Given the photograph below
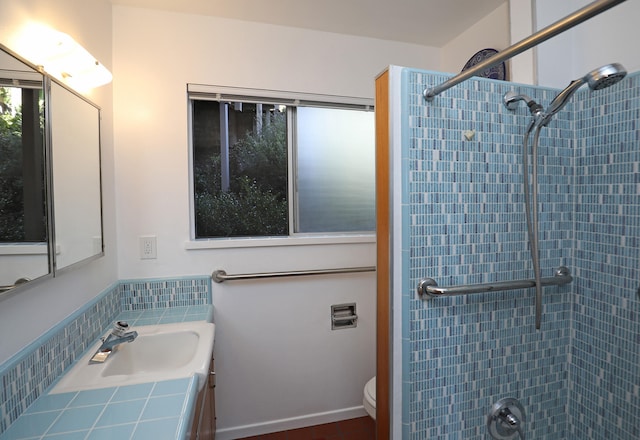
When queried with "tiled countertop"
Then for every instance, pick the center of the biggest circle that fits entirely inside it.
(148, 411)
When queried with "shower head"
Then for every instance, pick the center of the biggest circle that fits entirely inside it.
(605, 76)
(511, 99)
(600, 78)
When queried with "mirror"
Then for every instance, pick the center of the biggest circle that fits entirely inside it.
(24, 225)
(50, 184)
(75, 160)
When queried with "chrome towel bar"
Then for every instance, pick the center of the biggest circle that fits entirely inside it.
(220, 276)
(428, 288)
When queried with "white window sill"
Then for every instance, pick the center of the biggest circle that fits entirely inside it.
(223, 243)
(24, 249)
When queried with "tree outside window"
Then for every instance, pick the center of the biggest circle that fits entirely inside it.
(22, 206)
(244, 152)
(252, 199)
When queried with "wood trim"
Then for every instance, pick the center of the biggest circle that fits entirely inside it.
(383, 237)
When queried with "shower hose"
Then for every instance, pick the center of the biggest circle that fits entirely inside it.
(531, 210)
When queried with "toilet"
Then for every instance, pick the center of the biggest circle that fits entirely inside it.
(369, 399)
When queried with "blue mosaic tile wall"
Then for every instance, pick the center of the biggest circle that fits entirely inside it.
(578, 378)
(29, 373)
(153, 294)
(604, 367)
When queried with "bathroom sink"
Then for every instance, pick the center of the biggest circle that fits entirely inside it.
(160, 352)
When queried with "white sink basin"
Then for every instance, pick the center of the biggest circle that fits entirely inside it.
(160, 352)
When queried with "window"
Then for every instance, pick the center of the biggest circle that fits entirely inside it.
(273, 166)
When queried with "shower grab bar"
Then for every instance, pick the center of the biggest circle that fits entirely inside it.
(220, 276)
(581, 15)
(428, 288)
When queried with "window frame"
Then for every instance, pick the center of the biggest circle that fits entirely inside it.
(292, 100)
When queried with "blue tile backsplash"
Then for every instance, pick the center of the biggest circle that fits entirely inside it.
(577, 377)
(153, 294)
(27, 375)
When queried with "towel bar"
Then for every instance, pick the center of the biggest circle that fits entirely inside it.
(220, 276)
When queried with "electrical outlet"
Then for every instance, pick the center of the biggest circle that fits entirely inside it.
(148, 246)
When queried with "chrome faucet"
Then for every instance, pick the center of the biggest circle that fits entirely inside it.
(119, 335)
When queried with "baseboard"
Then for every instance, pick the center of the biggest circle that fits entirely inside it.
(290, 423)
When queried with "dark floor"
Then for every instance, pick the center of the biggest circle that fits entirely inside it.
(362, 428)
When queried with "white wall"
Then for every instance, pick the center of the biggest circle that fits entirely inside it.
(151, 69)
(27, 314)
(610, 37)
(278, 363)
(521, 26)
(492, 32)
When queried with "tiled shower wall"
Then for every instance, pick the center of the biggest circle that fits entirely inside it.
(466, 225)
(604, 368)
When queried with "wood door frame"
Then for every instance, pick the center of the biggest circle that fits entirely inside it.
(383, 262)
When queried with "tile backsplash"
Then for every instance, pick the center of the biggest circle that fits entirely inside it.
(153, 294)
(29, 373)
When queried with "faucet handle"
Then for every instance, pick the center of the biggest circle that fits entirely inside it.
(506, 419)
(506, 415)
(120, 328)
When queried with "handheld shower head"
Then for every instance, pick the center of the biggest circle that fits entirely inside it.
(605, 76)
(597, 79)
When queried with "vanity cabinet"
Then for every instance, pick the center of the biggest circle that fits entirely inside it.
(204, 420)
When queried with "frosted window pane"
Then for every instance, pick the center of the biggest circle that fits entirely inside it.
(335, 170)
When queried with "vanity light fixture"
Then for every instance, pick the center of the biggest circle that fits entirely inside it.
(63, 58)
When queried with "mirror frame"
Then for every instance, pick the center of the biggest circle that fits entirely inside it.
(51, 146)
(53, 269)
(22, 278)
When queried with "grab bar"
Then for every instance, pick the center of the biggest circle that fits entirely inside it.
(428, 288)
(220, 276)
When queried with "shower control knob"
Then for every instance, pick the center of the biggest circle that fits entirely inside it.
(506, 419)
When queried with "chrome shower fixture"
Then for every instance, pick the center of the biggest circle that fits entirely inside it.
(511, 100)
(505, 420)
(600, 78)
(597, 79)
